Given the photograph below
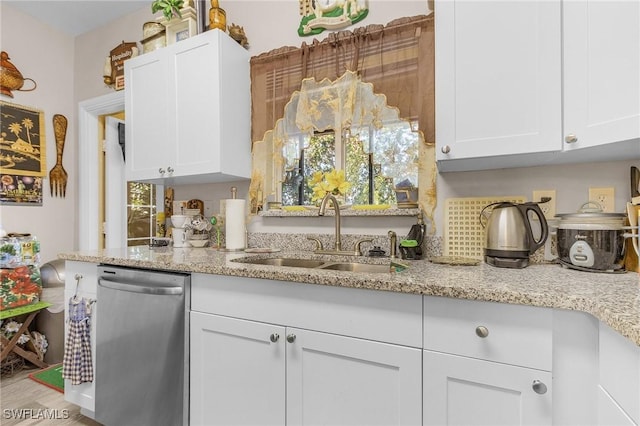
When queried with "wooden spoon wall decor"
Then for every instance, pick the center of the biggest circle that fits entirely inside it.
(58, 175)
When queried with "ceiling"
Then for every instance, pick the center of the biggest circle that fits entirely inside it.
(76, 17)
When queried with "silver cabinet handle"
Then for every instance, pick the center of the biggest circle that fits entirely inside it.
(571, 138)
(170, 169)
(274, 337)
(482, 331)
(161, 171)
(291, 338)
(446, 149)
(539, 387)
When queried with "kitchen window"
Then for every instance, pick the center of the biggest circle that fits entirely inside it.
(141, 213)
(369, 158)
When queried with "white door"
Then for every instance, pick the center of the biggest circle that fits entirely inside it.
(498, 78)
(336, 380)
(115, 188)
(237, 372)
(601, 71)
(467, 391)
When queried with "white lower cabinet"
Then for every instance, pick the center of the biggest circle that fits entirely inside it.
(297, 354)
(267, 352)
(337, 380)
(467, 391)
(237, 372)
(609, 412)
(619, 381)
(486, 363)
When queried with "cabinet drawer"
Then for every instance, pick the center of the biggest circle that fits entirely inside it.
(513, 334)
(382, 316)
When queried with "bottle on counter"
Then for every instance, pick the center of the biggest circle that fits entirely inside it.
(217, 17)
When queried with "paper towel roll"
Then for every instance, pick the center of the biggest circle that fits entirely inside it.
(234, 223)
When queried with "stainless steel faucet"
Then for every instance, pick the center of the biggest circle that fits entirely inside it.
(392, 245)
(323, 207)
(337, 248)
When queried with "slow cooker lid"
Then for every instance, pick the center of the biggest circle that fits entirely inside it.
(590, 215)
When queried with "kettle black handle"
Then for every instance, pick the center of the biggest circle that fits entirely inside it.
(534, 207)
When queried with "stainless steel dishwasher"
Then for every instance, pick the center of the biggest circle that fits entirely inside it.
(142, 347)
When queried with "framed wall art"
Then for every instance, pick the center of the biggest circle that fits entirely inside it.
(20, 189)
(22, 141)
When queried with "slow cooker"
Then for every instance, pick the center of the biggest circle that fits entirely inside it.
(591, 240)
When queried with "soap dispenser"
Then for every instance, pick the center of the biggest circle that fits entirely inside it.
(411, 246)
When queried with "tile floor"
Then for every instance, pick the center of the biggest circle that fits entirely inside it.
(23, 397)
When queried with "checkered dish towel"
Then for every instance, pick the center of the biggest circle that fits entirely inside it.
(77, 365)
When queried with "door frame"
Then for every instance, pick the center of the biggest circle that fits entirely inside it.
(89, 112)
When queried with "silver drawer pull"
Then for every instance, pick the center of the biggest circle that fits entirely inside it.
(274, 337)
(291, 338)
(482, 331)
(539, 387)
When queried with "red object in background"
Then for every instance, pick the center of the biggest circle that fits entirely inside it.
(20, 286)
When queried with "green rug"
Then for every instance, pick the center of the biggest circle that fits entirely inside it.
(51, 377)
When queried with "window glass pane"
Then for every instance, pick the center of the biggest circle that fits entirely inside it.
(319, 156)
(141, 213)
(309, 155)
(375, 162)
(357, 169)
(396, 153)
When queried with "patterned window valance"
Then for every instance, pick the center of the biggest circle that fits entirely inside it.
(397, 58)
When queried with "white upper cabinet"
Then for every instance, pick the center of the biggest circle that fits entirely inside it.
(188, 112)
(497, 78)
(601, 72)
(515, 79)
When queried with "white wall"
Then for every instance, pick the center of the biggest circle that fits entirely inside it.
(45, 55)
(93, 47)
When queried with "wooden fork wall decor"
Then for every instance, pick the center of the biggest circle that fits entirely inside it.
(58, 175)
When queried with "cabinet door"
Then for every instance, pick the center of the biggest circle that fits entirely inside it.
(237, 372)
(83, 394)
(498, 79)
(336, 380)
(212, 106)
(149, 119)
(601, 71)
(197, 112)
(468, 391)
(609, 412)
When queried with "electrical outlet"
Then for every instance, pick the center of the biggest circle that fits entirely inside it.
(605, 197)
(548, 208)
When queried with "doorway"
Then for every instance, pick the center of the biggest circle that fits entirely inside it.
(108, 207)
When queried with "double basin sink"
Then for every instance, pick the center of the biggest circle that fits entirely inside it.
(317, 264)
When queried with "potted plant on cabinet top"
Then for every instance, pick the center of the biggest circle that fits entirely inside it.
(169, 8)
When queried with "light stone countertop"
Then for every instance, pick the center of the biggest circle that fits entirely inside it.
(612, 298)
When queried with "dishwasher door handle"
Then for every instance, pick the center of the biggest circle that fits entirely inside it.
(137, 288)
